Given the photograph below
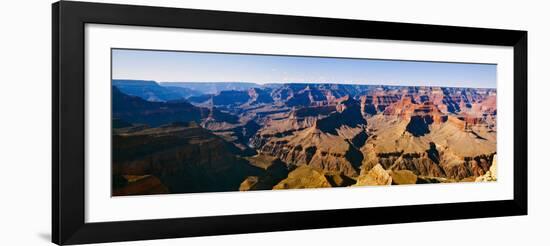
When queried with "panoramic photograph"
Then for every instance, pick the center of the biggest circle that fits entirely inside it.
(190, 122)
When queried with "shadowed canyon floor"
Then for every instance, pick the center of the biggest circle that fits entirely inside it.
(212, 137)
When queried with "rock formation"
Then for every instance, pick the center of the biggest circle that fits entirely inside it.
(490, 175)
(402, 177)
(304, 177)
(376, 176)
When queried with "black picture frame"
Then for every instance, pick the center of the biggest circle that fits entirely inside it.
(68, 122)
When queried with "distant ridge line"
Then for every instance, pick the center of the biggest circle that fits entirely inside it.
(167, 83)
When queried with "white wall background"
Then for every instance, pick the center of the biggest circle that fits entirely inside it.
(25, 98)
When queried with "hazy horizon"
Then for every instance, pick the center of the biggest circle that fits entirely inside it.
(201, 67)
(313, 83)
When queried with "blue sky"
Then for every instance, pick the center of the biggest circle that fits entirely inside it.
(176, 66)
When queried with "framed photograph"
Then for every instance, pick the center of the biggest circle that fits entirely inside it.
(175, 122)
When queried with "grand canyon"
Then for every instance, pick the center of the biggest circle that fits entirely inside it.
(188, 137)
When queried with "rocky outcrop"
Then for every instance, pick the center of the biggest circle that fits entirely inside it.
(491, 174)
(304, 177)
(402, 177)
(376, 176)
